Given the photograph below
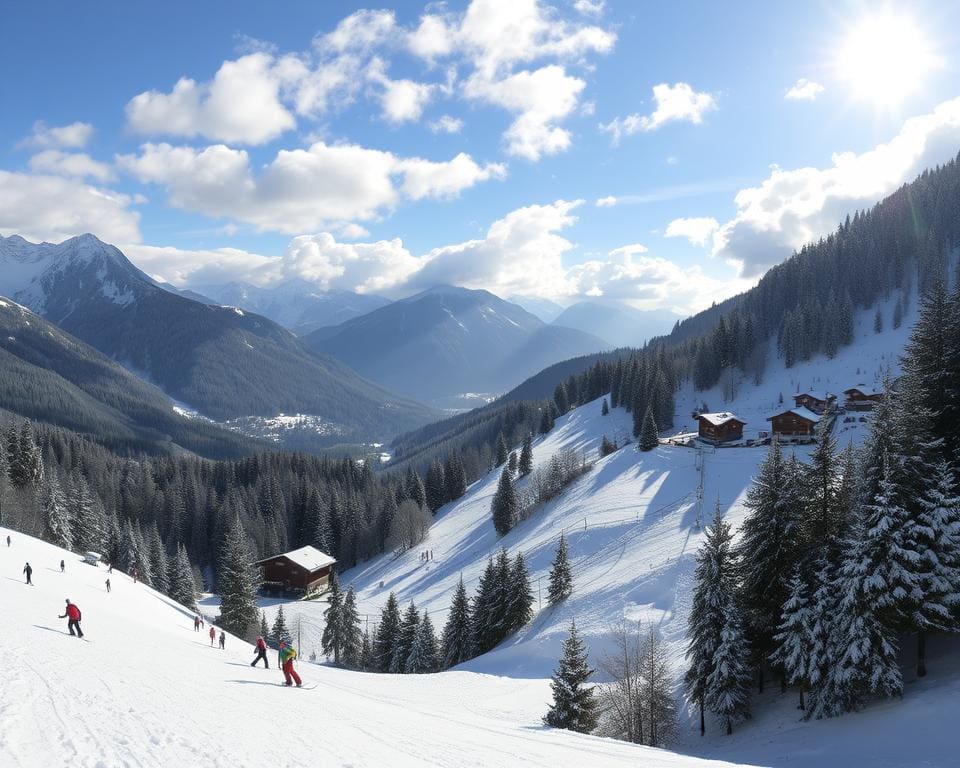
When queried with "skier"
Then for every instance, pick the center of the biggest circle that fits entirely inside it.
(285, 657)
(136, 575)
(196, 622)
(29, 571)
(73, 615)
(107, 582)
(213, 635)
(63, 566)
(8, 541)
(261, 653)
(223, 639)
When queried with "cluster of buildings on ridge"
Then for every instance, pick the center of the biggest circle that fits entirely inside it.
(798, 422)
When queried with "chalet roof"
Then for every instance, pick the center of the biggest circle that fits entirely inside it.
(865, 391)
(821, 395)
(719, 419)
(803, 413)
(309, 558)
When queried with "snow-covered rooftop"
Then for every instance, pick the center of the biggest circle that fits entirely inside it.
(817, 395)
(865, 391)
(719, 419)
(310, 558)
(803, 413)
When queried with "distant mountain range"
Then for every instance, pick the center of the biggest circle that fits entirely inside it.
(222, 361)
(295, 304)
(446, 342)
(618, 323)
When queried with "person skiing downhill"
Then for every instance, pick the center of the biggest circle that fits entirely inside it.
(261, 653)
(29, 571)
(223, 639)
(285, 658)
(63, 566)
(72, 613)
(8, 541)
(213, 635)
(196, 623)
(107, 582)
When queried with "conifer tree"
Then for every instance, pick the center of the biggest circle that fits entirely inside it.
(604, 409)
(279, 631)
(159, 562)
(86, 515)
(574, 700)
(483, 616)
(826, 508)
(405, 637)
(366, 654)
(435, 487)
(794, 639)
(457, 643)
(561, 399)
(238, 580)
(388, 632)
(415, 488)
(520, 595)
(331, 642)
(182, 587)
(264, 630)
(423, 651)
(455, 477)
(728, 686)
(512, 461)
(649, 437)
(352, 651)
(502, 451)
(56, 516)
(504, 507)
(526, 456)
(561, 577)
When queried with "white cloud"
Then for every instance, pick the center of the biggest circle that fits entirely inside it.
(400, 100)
(606, 202)
(793, 207)
(628, 250)
(73, 136)
(241, 104)
(52, 208)
(697, 229)
(210, 266)
(360, 31)
(363, 267)
(433, 37)
(77, 164)
(674, 103)
(447, 124)
(804, 90)
(589, 7)
(301, 189)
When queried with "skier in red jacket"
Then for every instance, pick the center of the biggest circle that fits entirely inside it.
(73, 615)
(261, 653)
(213, 635)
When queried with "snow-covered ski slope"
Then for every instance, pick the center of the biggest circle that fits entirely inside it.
(145, 690)
(631, 528)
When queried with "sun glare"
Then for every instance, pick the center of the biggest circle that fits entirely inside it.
(884, 58)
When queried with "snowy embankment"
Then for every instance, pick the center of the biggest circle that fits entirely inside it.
(144, 689)
(631, 525)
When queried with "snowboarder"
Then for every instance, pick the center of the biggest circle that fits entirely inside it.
(29, 571)
(285, 658)
(223, 639)
(63, 566)
(213, 635)
(107, 582)
(261, 653)
(196, 622)
(72, 613)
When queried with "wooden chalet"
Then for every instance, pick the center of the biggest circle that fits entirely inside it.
(721, 427)
(861, 398)
(303, 570)
(818, 402)
(795, 422)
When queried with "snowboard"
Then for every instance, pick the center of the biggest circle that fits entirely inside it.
(304, 687)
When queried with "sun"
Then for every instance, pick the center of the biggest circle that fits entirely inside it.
(884, 58)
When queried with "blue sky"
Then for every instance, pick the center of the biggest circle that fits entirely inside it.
(642, 151)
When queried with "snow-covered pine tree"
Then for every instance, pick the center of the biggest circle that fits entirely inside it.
(825, 516)
(649, 437)
(56, 515)
(657, 697)
(504, 507)
(279, 630)
(604, 409)
(512, 461)
(561, 399)
(526, 456)
(769, 548)
(352, 651)
(561, 576)
(423, 652)
(408, 633)
(499, 607)
(435, 486)
(457, 642)
(728, 686)
(331, 642)
(794, 639)
(386, 637)
(159, 562)
(546, 419)
(936, 534)
(238, 581)
(87, 518)
(520, 605)
(366, 653)
(182, 587)
(713, 592)
(502, 451)
(823, 693)
(483, 620)
(415, 488)
(264, 630)
(455, 477)
(574, 700)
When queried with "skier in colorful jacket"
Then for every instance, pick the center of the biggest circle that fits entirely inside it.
(286, 656)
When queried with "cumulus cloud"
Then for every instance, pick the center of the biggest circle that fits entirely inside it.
(793, 207)
(401, 100)
(43, 207)
(804, 90)
(73, 136)
(210, 266)
(589, 7)
(447, 124)
(697, 229)
(606, 202)
(240, 105)
(301, 189)
(674, 103)
(77, 164)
